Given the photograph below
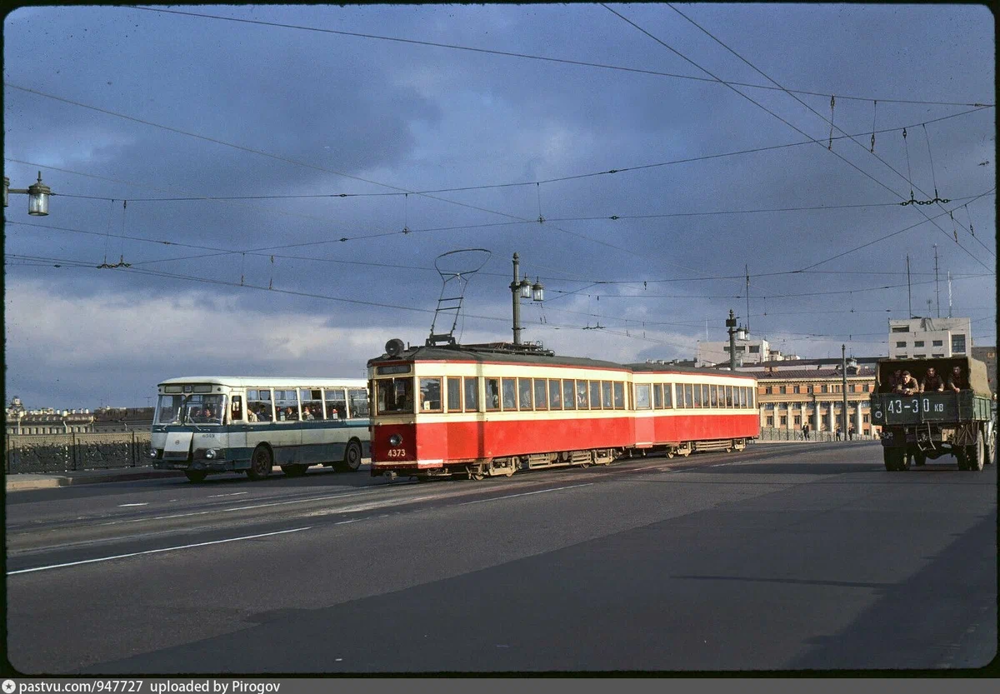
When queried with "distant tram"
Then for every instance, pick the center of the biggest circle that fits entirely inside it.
(207, 424)
(483, 411)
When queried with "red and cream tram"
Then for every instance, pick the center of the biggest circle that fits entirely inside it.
(485, 410)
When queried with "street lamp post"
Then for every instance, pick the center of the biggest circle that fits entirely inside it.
(522, 289)
(38, 196)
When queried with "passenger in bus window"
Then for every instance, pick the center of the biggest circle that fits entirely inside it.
(307, 414)
(251, 415)
(208, 415)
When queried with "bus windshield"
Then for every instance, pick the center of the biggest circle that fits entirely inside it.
(190, 409)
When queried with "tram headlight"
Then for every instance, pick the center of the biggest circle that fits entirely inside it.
(395, 440)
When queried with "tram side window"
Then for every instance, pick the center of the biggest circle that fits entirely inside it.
(509, 393)
(492, 393)
(582, 401)
(704, 395)
(606, 395)
(359, 403)
(729, 396)
(642, 395)
(454, 394)
(524, 393)
(668, 395)
(619, 394)
(697, 395)
(595, 395)
(471, 393)
(430, 394)
(394, 396)
(287, 404)
(259, 406)
(569, 396)
(555, 394)
(743, 397)
(713, 396)
(657, 396)
(336, 402)
(541, 396)
(312, 403)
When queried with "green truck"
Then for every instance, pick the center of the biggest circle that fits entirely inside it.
(932, 424)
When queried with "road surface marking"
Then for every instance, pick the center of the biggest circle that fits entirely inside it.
(153, 551)
(142, 504)
(511, 496)
(216, 496)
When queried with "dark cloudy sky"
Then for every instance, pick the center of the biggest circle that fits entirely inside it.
(124, 104)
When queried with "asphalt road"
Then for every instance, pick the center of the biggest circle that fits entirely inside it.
(792, 556)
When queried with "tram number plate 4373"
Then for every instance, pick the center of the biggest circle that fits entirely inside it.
(397, 453)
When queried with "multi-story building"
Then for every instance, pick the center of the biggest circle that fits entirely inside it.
(922, 338)
(788, 398)
(747, 352)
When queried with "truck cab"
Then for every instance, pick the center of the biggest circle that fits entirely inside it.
(930, 423)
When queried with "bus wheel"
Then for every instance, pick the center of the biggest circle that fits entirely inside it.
(294, 470)
(975, 455)
(352, 458)
(260, 463)
(196, 475)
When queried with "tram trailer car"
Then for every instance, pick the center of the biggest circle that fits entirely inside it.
(480, 411)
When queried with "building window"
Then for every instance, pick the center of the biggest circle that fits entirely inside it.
(754, 349)
(938, 343)
(958, 343)
(784, 421)
(918, 343)
(795, 389)
(781, 390)
(770, 421)
(768, 390)
(797, 420)
(901, 344)
(900, 330)
(864, 418)
(823, 388)
(919, 356)
(938, 356)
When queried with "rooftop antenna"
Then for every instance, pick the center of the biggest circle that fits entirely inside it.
(909, 295)
(747, 269)
(937, 287)
(456, 269)
(949, 293)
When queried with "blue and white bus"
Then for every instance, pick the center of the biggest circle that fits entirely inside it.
(207, 424)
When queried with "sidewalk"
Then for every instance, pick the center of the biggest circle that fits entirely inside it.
(27, 481)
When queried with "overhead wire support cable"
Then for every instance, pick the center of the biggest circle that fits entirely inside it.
(527, 56)
(764, 108)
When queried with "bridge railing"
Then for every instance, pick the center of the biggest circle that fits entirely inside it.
(782, 434)
(66, 452)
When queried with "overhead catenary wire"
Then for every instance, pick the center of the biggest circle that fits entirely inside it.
(909, 178)
(537, 57)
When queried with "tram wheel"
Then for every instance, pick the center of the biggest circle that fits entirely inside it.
(261, 463)
(196, 475)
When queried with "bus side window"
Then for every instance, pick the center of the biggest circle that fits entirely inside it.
(237, 410)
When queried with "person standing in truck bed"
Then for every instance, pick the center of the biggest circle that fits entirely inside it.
(907, 385)
(957, 380)
(931, 381)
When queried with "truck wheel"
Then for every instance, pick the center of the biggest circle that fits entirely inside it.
(960, 459)
(895, 459)
(196, 475)
(975, 454)
(919, 458)
(991, 447)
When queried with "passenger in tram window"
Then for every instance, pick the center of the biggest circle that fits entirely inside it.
(582, 402)
(492, 394)
(509, 394)
(569, 398)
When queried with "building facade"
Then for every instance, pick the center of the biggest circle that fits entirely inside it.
(789, 398)
(923, 338)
